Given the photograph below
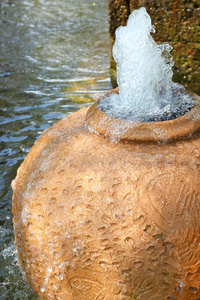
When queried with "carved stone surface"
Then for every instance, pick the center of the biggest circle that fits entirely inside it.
(101, 220)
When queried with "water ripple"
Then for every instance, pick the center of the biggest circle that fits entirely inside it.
(14, 119)
(51, 62)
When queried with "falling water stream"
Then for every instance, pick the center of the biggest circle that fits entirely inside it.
(54, 55)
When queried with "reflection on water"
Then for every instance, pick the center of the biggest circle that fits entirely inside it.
(54, 55)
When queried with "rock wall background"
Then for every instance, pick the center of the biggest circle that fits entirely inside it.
(176, 22)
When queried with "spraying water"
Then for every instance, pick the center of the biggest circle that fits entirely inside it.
(144, 75)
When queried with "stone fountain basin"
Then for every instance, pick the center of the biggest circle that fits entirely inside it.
(97, 219)
(148, 131)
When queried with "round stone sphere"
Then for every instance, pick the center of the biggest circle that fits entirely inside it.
(107, 210)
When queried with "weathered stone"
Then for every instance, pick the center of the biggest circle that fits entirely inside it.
(95, 219)
(119, 11)
(176, 22)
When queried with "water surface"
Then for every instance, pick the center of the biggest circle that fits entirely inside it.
(53, 56)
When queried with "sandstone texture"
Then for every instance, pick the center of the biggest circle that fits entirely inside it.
(176, 22)
(110, 220)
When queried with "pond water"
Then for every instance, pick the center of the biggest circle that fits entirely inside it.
(54, 55)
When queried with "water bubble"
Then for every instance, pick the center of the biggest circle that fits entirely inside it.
(144, 76)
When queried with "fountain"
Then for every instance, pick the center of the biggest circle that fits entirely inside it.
(106, 204)
(144, 75)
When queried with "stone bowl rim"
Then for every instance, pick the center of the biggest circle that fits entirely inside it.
(164, 131)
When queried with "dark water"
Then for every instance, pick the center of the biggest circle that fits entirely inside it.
(53, 56)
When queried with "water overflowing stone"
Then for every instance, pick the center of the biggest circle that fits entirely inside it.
(144, 76)
(183, 102)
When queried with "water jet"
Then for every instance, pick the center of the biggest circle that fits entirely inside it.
(106, 205)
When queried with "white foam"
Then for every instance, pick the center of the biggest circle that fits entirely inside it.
(144, 73)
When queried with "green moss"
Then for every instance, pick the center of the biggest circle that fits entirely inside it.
(197, 46)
